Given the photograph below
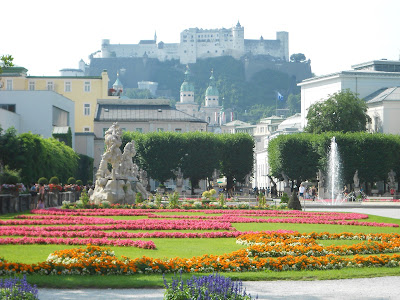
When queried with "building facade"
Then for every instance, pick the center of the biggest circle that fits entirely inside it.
(365, 79)
(82, 90)
(198, 43)
(38, 112)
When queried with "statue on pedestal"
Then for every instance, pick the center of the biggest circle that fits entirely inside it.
(116, 186)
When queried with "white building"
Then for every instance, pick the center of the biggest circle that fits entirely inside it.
(198, 43)
(39, 112)
(365, 79)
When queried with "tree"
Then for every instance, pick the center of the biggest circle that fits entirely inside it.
(200, 156)
(7, 62)
(138, 94)
(341, 112)
(297, 57)
(294, 103)
(236, 154)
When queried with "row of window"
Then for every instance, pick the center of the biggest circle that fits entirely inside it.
(137, 130)
(50, 86)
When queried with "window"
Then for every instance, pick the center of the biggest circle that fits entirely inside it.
(67, 86)
(139, 130)
(87, 86)
(86, 109)
(9, 85)
(86, 129)
(31, 85)
(60, 117)
(50, 85)
(9, 107)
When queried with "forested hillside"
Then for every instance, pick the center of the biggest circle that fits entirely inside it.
(250, 97)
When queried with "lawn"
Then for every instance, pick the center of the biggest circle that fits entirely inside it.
(189, 247)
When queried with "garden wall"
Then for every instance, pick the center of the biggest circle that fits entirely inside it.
(10, 203)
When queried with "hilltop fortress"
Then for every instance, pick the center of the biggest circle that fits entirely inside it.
(202, 43)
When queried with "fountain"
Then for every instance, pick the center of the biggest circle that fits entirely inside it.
(334, 194)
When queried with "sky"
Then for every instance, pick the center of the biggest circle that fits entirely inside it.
(47, 36)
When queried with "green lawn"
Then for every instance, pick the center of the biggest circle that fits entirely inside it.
(195, 247)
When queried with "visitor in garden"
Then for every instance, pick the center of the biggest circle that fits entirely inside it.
(40, 204)
(301, 191)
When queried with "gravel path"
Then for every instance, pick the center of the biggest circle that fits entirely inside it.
(380, 288)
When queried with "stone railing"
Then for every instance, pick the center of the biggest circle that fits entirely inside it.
(12, 203)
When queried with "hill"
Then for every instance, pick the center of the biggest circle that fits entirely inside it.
(248, 86)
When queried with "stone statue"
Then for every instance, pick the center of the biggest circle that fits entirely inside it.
(116, 186)
(321, 178)
(391, 179)
(112, 139)
(179, 177)
(127, 169)
(285, 179)
(356, 180)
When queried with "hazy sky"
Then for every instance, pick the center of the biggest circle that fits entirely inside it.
(46, 36)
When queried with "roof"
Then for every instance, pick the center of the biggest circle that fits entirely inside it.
(237, 123)
(384, 94)
(125, 111)
(187, 87)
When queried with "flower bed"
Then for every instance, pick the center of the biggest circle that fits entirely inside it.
(266, 251)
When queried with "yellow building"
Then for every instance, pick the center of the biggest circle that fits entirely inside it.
(83, 90)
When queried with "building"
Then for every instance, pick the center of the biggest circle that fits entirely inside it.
(384, 110)
(365, 79)
(82, 90)
(142, 115)
(38, 112)
(210, 111)
(198, 43)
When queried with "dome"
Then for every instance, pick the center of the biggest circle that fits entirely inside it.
(212, 91)
(187, 87)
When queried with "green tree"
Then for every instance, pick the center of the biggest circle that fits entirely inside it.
(342, 112)
(159, 153)
(138, 94)
(294, 103)
(7, 61)
(236, 154)
(200, 156)
(297, 57)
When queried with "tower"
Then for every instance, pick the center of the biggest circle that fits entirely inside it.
(118, 87)
(186, 103)
(212, 110)
(238, 41)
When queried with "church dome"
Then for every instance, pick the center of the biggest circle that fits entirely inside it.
(187, 87)
(212, 89)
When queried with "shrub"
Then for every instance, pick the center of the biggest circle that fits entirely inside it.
(221, 200)
(54, 180)
(79, 182)
(71, 180)
(212, 286)
(84, 198)
(43, 180)
(261, 200)
(158, 198)
(17, 288)
(138, 197)
(285, 198)
(173, 200)
(10, 176)
(294, 202)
